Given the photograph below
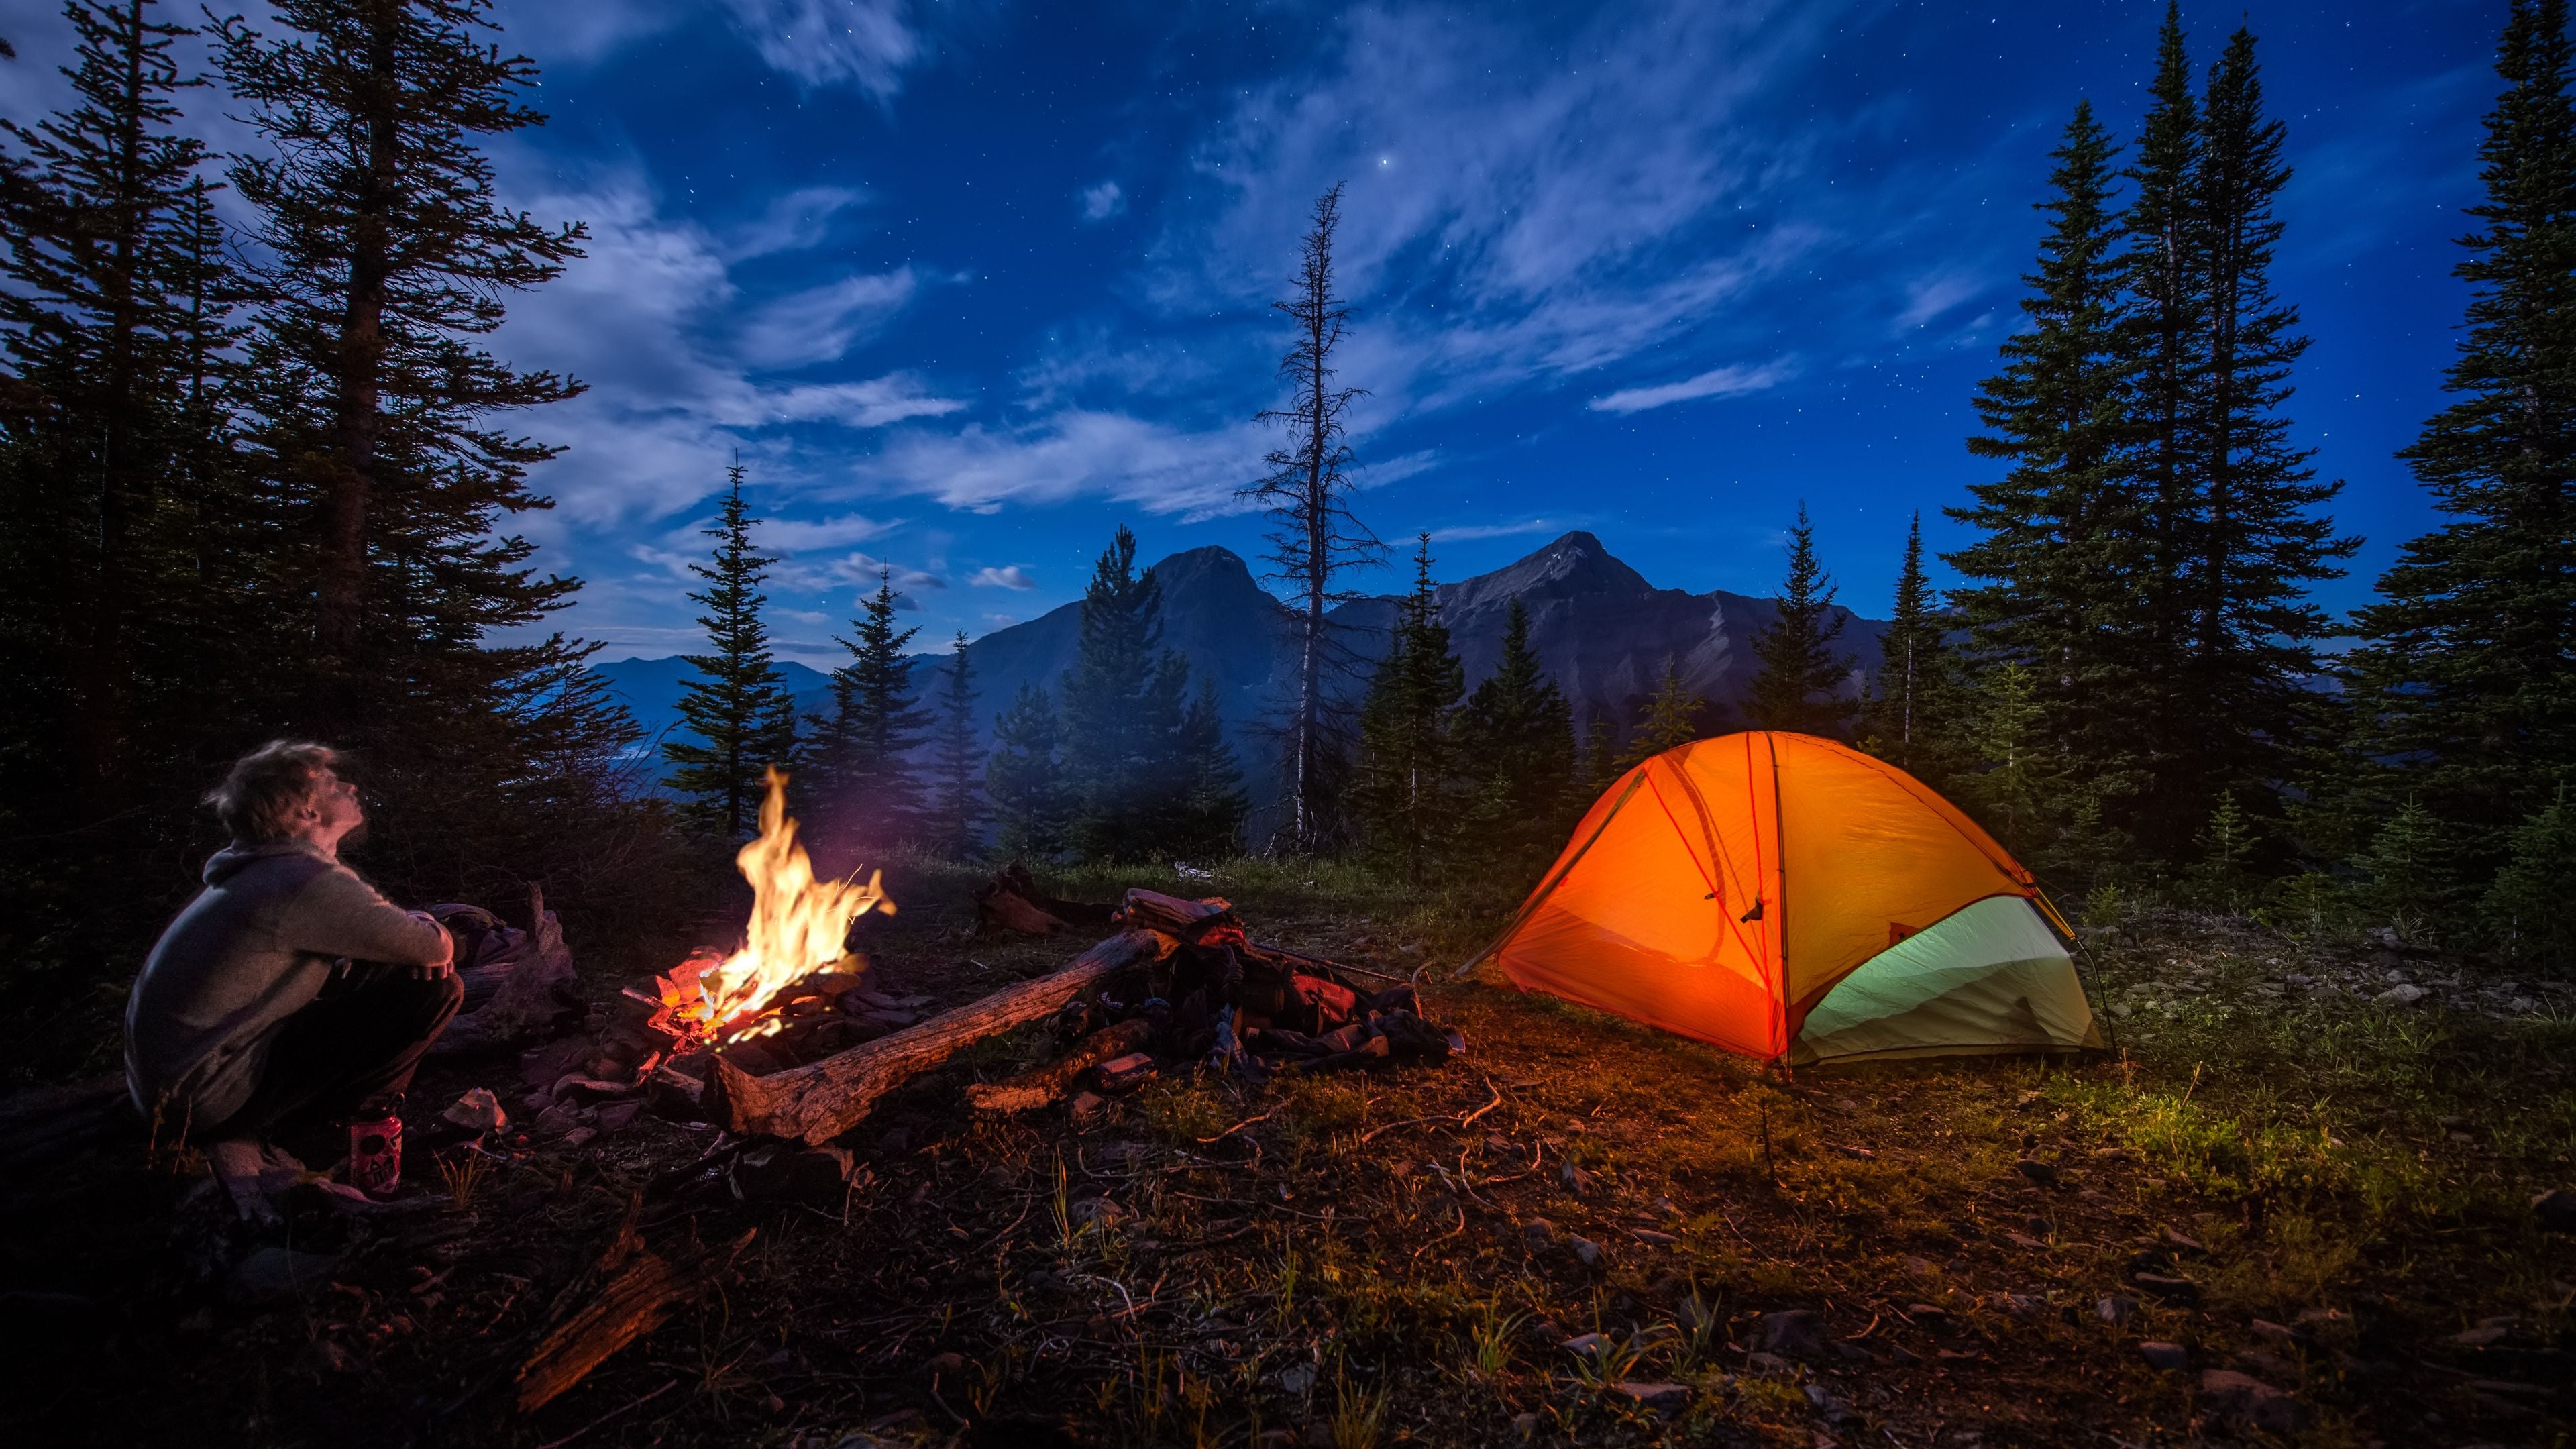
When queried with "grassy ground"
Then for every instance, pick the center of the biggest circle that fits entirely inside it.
(2342, 1181)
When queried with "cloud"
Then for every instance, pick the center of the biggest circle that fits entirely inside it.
(867, 44)
(797, 220)
(1932, 296)
(1732, 380)
(650, 316)
(1010, 576)
(1101, 202)
(822, 323)
(1074, 453)
(805, 535)
(1472, 531)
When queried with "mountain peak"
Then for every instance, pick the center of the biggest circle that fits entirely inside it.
(1575, 565)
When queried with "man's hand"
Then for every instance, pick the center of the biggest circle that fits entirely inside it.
(445, 965)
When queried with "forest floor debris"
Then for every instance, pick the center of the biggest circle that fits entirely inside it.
(2278, 1209)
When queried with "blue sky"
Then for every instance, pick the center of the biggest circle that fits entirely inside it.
(970, 284)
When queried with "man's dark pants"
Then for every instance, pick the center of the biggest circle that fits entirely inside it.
(355, 1044)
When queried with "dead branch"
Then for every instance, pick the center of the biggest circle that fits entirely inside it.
(822, 1100)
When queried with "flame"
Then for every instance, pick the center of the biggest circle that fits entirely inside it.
(797, 926)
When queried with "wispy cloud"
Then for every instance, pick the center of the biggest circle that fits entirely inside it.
(1732, 380)
(1009, 576)
(1101, 202)
(1470, 531)
(867, 44)
(1070, 454)
(805, 535)
(821, 323)
(1931, 296)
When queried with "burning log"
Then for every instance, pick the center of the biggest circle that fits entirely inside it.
(819, 1101)
(1039, 1086)
(640, 1291)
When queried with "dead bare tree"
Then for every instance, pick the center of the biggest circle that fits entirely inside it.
(1314, 537)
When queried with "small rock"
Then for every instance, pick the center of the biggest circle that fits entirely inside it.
(617, 1116)
(1088, 1110)
(1296, 1379)
(1770, 1364)
(2244, 1396)
(2037, 1171)
(1796, 1333)
(2019, 1305)
(579, 1135)
(1586, 1345)
(477, 1111)
(1498, 1144)
(2403, 994)
(1525, 1425)
(1661, 1397)
(2164, 1357)
(1100, 1212)
(1539, 1233)
(2116, 1309)
(1276, 1439)
(2556, 1209)
(2162, 1285)
(2279, 1333)
(2184, 1241)
(2483, 1335)
(557, 1120)
(1319, 1435)
(1826, 1403)
(946, 1365)
(273, 1275)
(1587, 1250)
(1545, 1331)
(1931, 1315)
(1665, 1207)
(1577, 1181)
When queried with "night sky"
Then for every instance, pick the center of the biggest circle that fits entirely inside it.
(970, 285)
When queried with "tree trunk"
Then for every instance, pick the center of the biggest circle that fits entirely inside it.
(341, 588)
(821, 1100)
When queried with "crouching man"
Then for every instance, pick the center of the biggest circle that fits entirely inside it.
(288, 992)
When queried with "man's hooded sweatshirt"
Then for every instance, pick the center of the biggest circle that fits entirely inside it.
(253, 947)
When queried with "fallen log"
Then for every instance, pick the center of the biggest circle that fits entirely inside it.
(1041, 1085)
(821, 1100)
(641, 1292)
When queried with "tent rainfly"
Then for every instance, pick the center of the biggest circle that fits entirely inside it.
(1784, 896)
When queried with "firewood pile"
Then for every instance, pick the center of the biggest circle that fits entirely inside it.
(1179, 986)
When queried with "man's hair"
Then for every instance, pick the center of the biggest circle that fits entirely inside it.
(259, 797)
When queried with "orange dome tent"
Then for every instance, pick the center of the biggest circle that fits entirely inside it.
(1781, 895)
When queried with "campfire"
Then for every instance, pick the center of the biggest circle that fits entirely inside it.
(794, 959)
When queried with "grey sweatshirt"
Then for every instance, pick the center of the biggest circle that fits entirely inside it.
(254, 946)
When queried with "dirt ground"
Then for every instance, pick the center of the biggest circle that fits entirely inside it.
(2315, 1186)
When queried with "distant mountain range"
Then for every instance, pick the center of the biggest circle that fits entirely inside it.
(1602, 631)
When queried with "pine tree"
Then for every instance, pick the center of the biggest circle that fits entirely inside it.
(2165, 342)
(958, 811)
(2531, 907)
(1798, 684)
(2466, 679)
(737, 709)
(864, 747)
(2019, 787)
(1314, 538)
(1670, 721)
(1125, 699)
(1207, 822)
(1406, 793)
(2256, 541)
(1602, 761)
(2412, 868)
(1025, 780)
(1908, 721)
(1516, 734)
(110, 292)
(2057, 567)
(2227, 844)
